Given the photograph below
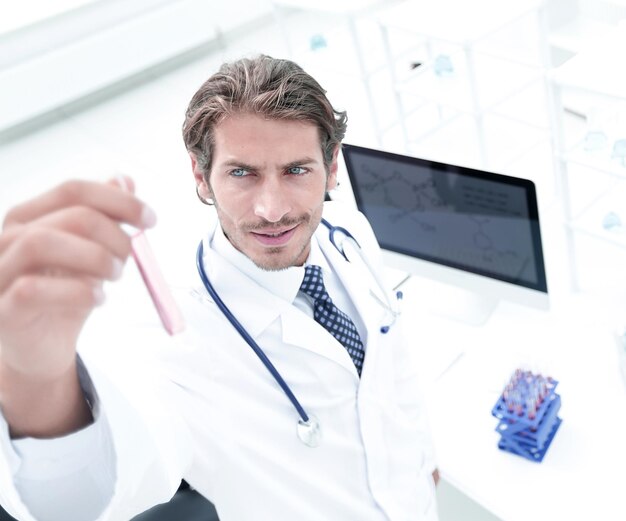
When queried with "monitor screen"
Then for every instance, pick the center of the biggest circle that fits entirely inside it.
(480, 222)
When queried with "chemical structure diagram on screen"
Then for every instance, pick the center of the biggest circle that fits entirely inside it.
(489, 253)
(416, 199)
(408, 200)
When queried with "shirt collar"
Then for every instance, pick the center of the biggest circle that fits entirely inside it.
(285, 283)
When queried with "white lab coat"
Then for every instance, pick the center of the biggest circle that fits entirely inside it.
(207, 410)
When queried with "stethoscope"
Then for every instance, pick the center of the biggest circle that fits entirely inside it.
(308, 428)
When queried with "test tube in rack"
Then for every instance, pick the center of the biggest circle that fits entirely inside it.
(528, 412)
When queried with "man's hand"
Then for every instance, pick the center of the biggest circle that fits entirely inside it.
(55, 253)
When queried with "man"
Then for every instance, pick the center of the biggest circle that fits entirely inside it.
(263, 141)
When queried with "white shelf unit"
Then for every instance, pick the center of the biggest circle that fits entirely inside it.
(498, 52)
(592, 176)
(347, 11)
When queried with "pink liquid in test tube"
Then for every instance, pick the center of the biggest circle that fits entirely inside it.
(168, 311)
(164, 302)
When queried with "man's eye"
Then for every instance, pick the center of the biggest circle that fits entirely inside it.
(297, 170)
(239, 172)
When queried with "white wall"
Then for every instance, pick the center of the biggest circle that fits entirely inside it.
(59, 60)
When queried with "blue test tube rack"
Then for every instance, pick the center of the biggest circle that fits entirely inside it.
(528, 413)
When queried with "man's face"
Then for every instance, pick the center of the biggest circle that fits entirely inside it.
(268, 182)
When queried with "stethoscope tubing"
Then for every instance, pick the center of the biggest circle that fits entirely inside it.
(246, 336)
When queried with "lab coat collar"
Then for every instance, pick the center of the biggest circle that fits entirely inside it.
(253, 305)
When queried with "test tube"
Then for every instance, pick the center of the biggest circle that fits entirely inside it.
(146, 262)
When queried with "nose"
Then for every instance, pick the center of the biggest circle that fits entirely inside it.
(272, 200)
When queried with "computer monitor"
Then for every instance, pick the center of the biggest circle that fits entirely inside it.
(475, 231)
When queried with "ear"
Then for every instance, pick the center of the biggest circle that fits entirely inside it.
(198, 176)
(331, 182)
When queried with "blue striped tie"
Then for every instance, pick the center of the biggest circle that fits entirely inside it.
(335, 321)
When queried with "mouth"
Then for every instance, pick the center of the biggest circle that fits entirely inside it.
(274, 237)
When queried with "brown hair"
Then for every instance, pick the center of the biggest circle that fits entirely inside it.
(277, 89)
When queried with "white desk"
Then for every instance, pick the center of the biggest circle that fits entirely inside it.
(583, 473)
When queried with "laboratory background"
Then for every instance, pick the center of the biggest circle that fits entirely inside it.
(530, 89)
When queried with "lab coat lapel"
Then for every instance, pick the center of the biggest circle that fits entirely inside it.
(257, 308)
(241, 294)
(359, 283)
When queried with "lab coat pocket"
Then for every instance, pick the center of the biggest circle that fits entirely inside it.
(426, 493)
(408, 469)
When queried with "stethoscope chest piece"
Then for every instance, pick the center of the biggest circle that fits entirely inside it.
(310, 432)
